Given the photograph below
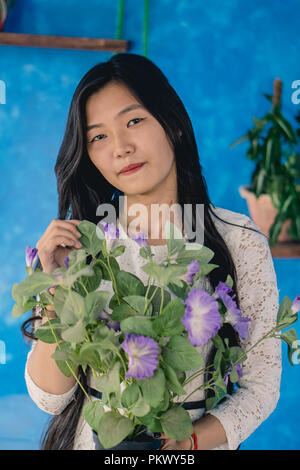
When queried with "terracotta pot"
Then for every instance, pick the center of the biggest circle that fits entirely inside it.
(263, 212)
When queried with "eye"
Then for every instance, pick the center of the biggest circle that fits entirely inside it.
(95, 139)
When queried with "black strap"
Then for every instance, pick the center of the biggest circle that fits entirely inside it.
(191, 405)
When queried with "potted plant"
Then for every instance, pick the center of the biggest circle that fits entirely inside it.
(5, 5)
(273, 197)
(139, 354)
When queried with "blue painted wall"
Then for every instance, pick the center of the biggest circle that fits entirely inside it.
(220, 57)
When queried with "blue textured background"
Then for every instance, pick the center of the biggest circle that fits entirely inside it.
(220, 57)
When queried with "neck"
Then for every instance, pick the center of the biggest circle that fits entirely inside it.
(140, 215)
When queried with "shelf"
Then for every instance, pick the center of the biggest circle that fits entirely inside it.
(286, 250)
(63, 42)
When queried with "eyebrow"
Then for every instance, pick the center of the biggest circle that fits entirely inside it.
(120, 113)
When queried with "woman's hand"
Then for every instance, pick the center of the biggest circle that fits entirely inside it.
(172, 444)
(50, 251)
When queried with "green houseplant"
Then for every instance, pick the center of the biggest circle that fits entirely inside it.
(275, 180)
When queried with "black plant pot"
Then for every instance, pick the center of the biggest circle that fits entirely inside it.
(141, 442)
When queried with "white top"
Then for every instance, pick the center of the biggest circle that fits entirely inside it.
(259, 385)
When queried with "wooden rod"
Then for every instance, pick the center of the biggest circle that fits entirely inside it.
(63, 42)
(286, 250)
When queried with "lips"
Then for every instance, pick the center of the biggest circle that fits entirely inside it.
(132, 167)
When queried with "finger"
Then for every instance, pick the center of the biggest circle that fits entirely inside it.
(67, 225)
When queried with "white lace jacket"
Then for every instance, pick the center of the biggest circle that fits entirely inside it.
(259, 391)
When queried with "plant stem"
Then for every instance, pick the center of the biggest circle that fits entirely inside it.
(70, 368)
(146, 297)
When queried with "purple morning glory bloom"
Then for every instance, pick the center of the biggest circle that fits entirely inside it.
(141, 239)
(143, 356)
(296, 304)
(238, 368)
(31, 255)
(115, 325)
(193, 268)
(202, 318)
(222, 288)
(233, 314)
(110, 231)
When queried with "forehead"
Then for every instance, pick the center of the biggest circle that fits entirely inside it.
(107, 101)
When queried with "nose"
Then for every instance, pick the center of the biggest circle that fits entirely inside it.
(122, 147)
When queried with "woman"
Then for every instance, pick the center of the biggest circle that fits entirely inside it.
(123, 112)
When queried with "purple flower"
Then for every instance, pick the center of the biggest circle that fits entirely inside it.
(143, 356)
(222, 288)
(202, 319)
(233, 314)
(193, 268)
(141, 239)
(31, 255)
(110, 231)
(66, 261)
(238, 368)
(115, 325)
(296, 305)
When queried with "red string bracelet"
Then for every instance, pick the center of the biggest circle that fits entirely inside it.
(195, 441)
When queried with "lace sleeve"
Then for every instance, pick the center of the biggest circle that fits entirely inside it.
(259, 391)
(48, 402)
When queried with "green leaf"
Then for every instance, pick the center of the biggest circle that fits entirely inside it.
(229, 281)
(33, 285)
(177, 424)
(290, 338)
(164, 274)
(90, 283)
(130, 395)
(286, 127)
(92, 237)
(285, 310)
(137, 303)
(260, 182)
(102, 263)
(68, 280)
(63, 350)
(172, 379)
(69, 308)
(181, 355)
(203, 254)
(119, 250)
(237, 355)
(181, 292)
(113, 429)
(156, 301)
(95, 302)
(92, 413)
(129, 284)
(153, 388)
(141, 408)
(122, 311)
(139, 326)
(45, 334)
(110, 382)
(75, 334)
(175, 240)
(169, 323)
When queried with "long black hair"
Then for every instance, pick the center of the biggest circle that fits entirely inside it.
(81, 188)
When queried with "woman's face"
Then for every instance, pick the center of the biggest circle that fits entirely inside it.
(116, 140)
